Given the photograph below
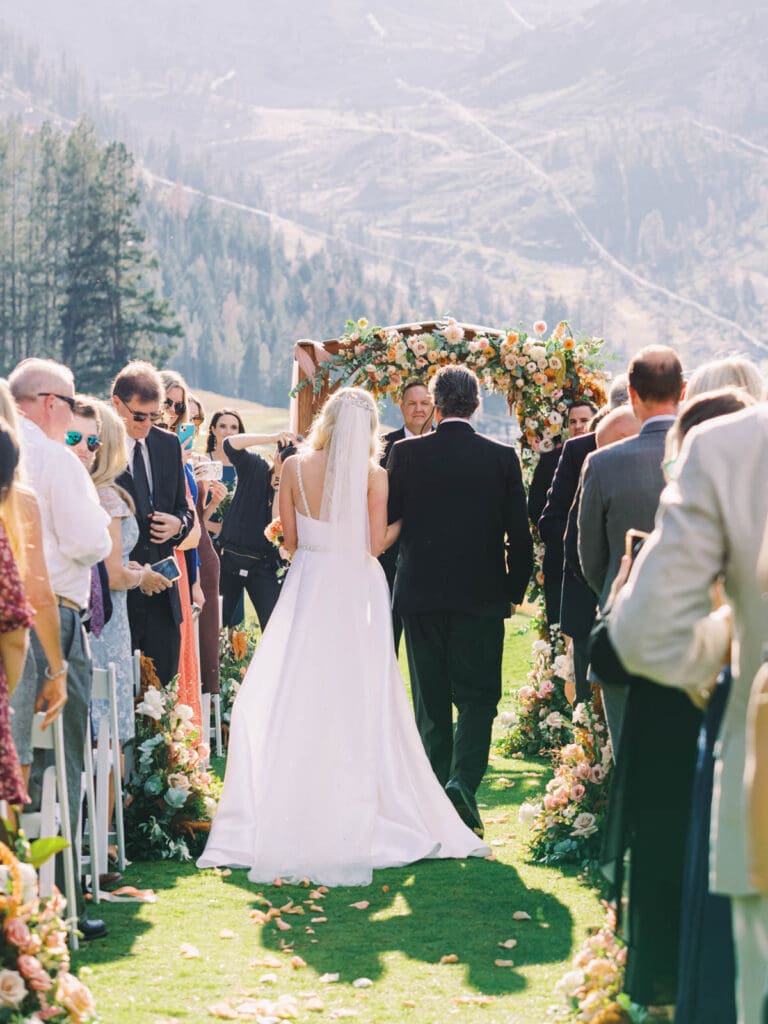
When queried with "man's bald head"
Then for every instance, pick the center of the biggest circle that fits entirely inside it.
(618, 424)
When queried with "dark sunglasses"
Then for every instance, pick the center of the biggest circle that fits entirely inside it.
(141, 417)
(178, 407)
(93, 443)
(198, 419)
(64, 398)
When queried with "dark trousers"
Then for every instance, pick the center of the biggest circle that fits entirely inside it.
(262, 586)
(155, 632)
(580, 668)
(455, 658)
(553, 587)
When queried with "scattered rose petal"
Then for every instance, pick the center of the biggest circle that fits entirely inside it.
(520, 915)
(318, 920)
(266, 961)
(503, 963)
(360, 905)
(409, 1003)
(362, 983)
(317, 908)
(316, 894)
(226, 872)
(449, 958)
(323, 890)
(227, 933)
(491, 856)
(508, 944)
(188, 951)
(268, 979)
(498, 820)
(258, 917)
(498, 842)
(297, 962)
(328, 979)
(309, 931)
(223, 1011)
(277, 882)
(305, 883)
(282, 925)
(315, 1004)
(474, 1000)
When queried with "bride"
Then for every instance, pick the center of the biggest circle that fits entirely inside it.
(326, 776)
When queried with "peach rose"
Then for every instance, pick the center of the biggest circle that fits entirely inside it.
(12, 989)
(73, 995)
(17, 932)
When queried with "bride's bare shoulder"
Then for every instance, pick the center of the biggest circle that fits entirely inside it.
(377, 479)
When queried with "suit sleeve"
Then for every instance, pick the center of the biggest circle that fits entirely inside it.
(571, 538)
(594, 552)
(181, 507)
(554, 517)
(519, 545)
(395, 469)
(662, 623)
(537, 493)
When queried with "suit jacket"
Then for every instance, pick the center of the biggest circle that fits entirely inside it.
(465, 544)
(169, 494)
(577, 605)
(540, 483)
(710, 524)
(389, 558)
(620, 489)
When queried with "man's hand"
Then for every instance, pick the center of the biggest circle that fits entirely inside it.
(216, 494)
(198, 597)
(52, 698)
(153, 582)
(285, 437)
(164, 527)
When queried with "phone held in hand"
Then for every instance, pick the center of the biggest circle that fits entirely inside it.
(209, 470)
(185, 434)
(167, 567)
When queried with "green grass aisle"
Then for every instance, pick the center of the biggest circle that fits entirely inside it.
(416, 916)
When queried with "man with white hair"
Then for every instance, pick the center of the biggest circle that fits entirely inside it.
(75, 537)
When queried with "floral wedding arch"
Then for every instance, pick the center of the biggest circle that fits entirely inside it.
(539, 376)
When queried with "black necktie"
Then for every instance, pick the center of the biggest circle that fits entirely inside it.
(141, 483)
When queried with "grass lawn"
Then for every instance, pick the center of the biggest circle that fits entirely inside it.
(416, 916)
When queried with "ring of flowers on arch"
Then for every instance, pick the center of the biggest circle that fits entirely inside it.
(539, 375)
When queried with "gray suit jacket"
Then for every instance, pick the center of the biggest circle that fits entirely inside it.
(620, 489)
(710, 524)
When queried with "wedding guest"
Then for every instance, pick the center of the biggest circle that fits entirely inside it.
(15, 617)
(710, 525)
(21, 506)
(417, 411)
(620, 487)
(196, 413)
(248, 560)
(653, 797)
(224, 423)
(459, 492)
(155, 481)
(580, 414)
(75, 537)
(733, 372)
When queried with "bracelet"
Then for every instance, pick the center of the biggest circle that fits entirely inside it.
(50, 676)
(138, 581)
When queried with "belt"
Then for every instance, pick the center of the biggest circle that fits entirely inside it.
(64, 602)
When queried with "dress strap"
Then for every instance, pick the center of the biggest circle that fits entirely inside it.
(301, 488)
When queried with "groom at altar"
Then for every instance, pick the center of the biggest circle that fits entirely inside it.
(465, 558)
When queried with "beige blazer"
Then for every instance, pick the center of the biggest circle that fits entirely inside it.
(710, 523)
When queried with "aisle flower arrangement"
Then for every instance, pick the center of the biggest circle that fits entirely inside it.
(171, 796)
(565, 828)
(35, 979)
(236, 647)
(541, 720)
(539, 376)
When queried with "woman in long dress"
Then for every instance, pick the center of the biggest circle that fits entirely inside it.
(326, 777)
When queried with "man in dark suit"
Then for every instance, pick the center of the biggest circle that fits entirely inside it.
(155, 481)
(580, 415)
(417, 412)
(465, 558)
(621, 486)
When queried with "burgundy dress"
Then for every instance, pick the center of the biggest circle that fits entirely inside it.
(210, 623)
(15, 613)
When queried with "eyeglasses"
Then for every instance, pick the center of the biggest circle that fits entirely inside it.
(93, 443)
(140, 417)
(64, 398)
(178, 407)
(198, 419)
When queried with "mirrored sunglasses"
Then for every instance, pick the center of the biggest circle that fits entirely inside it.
(178, 407)
(93, 443)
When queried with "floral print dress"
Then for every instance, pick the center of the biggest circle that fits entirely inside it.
(15, 613)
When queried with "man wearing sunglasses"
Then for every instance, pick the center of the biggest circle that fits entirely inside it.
(75, 537)
(155, 481)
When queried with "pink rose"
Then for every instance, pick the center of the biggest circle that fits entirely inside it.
(203, 751)
(76, 999)
(550, 802)
(583, 771)
(13, 991)
(577, 791)
(203, 778)
(29, 965)
(540, 327)
(17, 932)
(547, 688)
(596, 774)
(40, 982)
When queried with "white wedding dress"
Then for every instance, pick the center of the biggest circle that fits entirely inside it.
(326, 775)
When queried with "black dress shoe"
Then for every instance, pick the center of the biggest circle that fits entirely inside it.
(466, 807)
(111, 880)
(91, 929)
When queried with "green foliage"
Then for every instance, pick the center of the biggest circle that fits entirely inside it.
(42, 850)
(78, 283)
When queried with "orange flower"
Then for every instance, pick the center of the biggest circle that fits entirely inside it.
(512, 337)
(568, 344)
(239, 644)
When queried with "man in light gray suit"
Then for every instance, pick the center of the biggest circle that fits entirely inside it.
(710, 525)
(621, 485)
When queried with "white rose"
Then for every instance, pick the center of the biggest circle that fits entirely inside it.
(12, 989)
(554, 720)
(507, 718)
(568, 984)
(542, 647)
(583, 825)
(555, 418)
(528, 813)
(546, 445)
(453, 334)
(563, 667)
(152, 705)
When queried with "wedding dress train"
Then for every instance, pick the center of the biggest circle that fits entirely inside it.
(326, 775)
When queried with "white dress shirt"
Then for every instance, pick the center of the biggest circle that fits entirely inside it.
(75, 526)
(131, 443)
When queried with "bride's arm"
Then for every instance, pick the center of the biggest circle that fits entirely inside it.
(286, 505)
(382, 536)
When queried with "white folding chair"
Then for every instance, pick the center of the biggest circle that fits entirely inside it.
(92, 863)
(136, 666)
(108, 765)
(217, 727)
(47, 822)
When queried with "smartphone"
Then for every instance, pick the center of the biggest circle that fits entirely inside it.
(209, 470)
(633, 541)
(167, 567)
(185, 434)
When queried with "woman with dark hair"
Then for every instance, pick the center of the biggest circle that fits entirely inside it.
(224, 423)
(15, 616)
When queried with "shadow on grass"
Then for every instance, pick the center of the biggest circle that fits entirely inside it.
(425, 911)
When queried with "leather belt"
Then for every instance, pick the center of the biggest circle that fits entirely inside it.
(64, 602)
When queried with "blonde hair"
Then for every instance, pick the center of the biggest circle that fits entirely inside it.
(734, 372)
(112, 456)
(323, 425)
(171, 379)
(11, 515)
